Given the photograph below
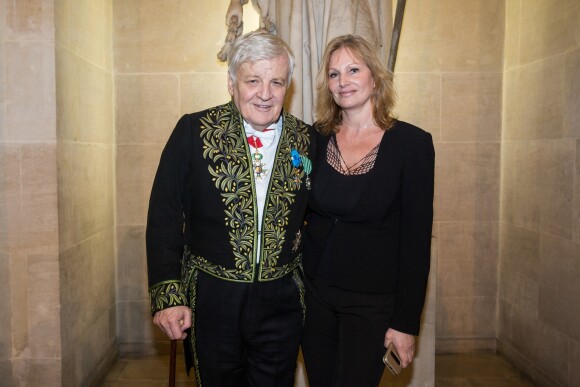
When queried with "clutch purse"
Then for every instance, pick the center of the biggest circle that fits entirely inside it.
(392, 360)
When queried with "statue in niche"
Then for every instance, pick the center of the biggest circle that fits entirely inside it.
(307, 26)
(234, 16)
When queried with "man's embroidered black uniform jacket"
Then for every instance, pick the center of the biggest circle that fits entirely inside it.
(203, 211)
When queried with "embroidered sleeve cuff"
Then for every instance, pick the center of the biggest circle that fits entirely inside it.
(167, 294)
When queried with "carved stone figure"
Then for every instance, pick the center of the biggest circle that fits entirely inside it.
(235, 24)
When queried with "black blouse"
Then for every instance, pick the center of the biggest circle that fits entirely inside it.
(371, 233)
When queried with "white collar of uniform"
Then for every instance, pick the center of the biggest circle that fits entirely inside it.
(277, 126)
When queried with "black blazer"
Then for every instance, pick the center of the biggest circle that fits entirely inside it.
(382, 245)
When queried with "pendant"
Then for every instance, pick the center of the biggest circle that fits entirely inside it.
(295, 178)
(259, 170)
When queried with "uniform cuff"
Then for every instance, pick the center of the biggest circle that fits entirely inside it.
(167, 294)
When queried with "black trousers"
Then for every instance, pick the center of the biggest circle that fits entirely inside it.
(247, 334)
(344, 333)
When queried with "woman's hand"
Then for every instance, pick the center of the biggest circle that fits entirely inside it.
(404, 343)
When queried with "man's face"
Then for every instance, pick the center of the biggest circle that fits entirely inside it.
(259, 90)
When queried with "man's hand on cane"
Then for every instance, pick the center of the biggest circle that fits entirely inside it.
(174, 321)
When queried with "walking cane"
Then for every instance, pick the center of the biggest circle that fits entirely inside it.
(172, 355)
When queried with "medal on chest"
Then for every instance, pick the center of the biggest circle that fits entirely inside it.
(258, 165)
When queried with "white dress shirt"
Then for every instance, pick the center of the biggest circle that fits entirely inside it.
(270, 140)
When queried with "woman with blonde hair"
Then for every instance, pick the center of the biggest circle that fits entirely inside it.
(368, 235)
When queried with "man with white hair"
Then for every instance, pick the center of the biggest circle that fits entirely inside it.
(223, 228)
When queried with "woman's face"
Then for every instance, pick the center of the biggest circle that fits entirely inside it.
(349, 80)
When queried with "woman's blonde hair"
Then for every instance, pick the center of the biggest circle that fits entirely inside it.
(328, 113)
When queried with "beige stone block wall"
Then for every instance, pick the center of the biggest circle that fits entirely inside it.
(451, 36)
(86, 188)
(538, 325)
(30, 345)
(449, 81)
